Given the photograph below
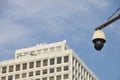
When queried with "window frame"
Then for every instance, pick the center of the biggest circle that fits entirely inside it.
(59, 60)
(66, 59)
(52, 61)
(31, 65)
(24, 66)
(4, 69)
(17, 67)
(45, 62)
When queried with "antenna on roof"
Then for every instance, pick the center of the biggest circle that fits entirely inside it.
(64, 41)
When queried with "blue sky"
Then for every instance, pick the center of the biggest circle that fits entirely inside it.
(25, 23)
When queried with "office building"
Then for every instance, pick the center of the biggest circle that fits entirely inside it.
(54, 61)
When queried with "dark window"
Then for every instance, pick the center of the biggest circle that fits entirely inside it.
(30, 74)
(31, 65)
(58, 69)
(66, 58)
(17, 76)
(52, 61)
(66, 76)
(24, 66)
(44, 78)
(17, 67)
(37, 72)
(38, 63)
(51, 70)
(59, 60)
(76, 63)
(4, 69)
(45, 62)
(45, 71)
(10, 77)
(24, 75)
(58, 77)
(66, 68)
(11, 68)
(51, 78)
(3, 78)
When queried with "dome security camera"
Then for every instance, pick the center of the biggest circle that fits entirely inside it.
(98, 39)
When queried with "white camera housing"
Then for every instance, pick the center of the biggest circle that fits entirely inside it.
(98, 39)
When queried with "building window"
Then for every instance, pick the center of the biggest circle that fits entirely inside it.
(11, 68)
(38, 51)
(30, 74)
(51, 78)
(10, 77)
(73, 68)
(79, 66)
(76, 71)
(32, 53)
(45, 62)
(58, 69)
(76, 63)
(73, 77)
(90, 76)
(58, 48)
(82, 70)
(31, 65)
(59, 60)
(66, 68)
(44, 78)
(66, 59)
(45, 50)
(17, 76)
(24, 66)
(17, 67)
(87, 75)
(3, 78)
(45, 71)
(52, 61)
(37, 72)
(51, 70)
(66, 76)
(79, 76)
(19, 55)
(77, 79)
(4, 69)
(52, 49)
(93, 78)
(24, 75)
(58, 77)
(38, 63)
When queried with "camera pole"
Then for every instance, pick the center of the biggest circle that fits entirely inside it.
(108, 22)
(99, 36)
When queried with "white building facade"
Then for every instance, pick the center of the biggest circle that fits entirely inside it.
(55, 61)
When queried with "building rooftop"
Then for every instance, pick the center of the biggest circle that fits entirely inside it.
(41, 49)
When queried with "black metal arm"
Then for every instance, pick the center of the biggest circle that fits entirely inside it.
(108, 22)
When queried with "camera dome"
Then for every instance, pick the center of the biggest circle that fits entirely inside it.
(98, 39)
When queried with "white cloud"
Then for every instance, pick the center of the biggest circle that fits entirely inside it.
(51, 16)
(45, 11)
(24, 18)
